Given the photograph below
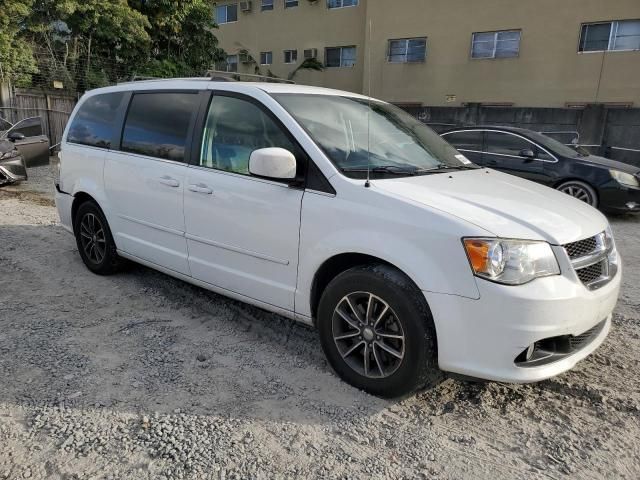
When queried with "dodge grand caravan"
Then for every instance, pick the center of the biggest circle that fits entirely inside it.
(344, 213)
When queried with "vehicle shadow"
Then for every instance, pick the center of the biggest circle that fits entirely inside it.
(141, 341)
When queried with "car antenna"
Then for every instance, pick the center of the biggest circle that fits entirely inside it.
(367, 184)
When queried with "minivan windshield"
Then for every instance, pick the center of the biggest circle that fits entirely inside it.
(358, 135)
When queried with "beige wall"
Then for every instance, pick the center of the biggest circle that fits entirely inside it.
(310, 25)
(549, 71)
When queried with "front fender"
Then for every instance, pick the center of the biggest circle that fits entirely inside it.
(425, 245)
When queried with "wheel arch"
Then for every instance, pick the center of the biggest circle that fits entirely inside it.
(562, 181)
(559, 182)
(79, 198)
(334, 266)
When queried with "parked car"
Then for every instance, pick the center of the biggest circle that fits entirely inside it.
(12, 164)
(602, 183)
(346, 214)
(22, 145)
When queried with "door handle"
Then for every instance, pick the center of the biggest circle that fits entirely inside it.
(200, 188)
(491, 162)
(169, 182)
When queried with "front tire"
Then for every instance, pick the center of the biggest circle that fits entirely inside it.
(95, 242)
(580, 190)
(377, 331)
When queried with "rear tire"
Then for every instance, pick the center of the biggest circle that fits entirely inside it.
(377, 331)
(580, 190)
(94, 240)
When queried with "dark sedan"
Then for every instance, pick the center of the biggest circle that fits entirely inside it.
(603, 183)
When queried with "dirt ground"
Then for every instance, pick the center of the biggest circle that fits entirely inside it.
(142, 376)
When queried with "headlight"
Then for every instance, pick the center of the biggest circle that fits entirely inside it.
(610, 246)
(512, 262)
(625, 178)
(9, 154)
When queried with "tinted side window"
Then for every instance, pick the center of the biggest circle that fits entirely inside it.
(29, 127)
(542, 155)
(234, 129)
(94, 124)
(506, 144)
(157, 124)
(471, 140)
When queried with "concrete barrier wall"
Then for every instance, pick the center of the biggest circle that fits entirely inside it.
(612, 132)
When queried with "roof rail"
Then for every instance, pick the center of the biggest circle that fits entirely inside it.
(224, 76)
(141, 78)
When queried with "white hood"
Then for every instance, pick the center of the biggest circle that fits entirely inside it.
(505, 205)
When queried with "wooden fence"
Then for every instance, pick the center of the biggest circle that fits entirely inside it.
(52, 107)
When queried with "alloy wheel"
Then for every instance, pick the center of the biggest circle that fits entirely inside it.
(92, 238)
(368, 335)
(578, 192)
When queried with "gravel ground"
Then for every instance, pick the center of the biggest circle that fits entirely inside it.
(142, 376)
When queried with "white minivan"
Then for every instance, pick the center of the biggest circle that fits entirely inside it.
(344, 213)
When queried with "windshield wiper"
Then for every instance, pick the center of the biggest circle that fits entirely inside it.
(391, 169)
(444, 166)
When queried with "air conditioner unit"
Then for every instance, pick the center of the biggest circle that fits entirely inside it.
(310, 53)
(245, 6)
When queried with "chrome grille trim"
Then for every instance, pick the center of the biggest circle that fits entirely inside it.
(581, 247)
(590, 260)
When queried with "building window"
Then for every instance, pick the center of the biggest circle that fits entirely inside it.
(341, 3)
(266, 5)
(266, 58)
(503, 44)
(290, 3)
(227, 13)
(290, 56)
(618, 35)
(340, 57)
(407, 50)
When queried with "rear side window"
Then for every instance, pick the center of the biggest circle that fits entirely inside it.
(95, 122)
(471, 140)
(506, 144)
(157, 124)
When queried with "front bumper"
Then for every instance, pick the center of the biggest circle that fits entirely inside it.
(620, 199)
(482, 338)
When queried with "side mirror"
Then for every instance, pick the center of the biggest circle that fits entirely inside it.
(527, 153)
(15, 136)
(274, 163)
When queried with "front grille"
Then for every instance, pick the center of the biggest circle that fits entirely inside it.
(589, 258)
(591, 273)
(581, 248)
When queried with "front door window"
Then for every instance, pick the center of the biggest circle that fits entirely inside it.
(505, 152)
(233, 130)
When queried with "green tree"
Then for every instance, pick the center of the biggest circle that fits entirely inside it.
(181, 35)
(88, 42)
(16, 57)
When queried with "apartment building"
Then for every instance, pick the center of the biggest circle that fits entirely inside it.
(535, 53)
